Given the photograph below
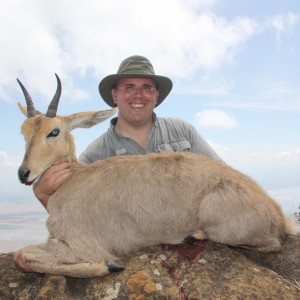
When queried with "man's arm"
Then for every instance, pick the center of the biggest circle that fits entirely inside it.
(200, 145)
(51, 180)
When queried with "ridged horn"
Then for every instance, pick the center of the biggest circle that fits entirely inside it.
(30, 107)
(52, 108)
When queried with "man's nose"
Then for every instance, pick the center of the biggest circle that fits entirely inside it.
(139, 90)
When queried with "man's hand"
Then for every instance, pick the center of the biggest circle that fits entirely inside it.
(51, 180)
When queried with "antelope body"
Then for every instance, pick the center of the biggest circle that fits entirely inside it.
(112, 207)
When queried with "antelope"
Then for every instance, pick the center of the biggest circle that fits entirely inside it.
(113, 207)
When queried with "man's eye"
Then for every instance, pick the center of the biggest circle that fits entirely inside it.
(55, 132)
(148, 88)
(129, 87)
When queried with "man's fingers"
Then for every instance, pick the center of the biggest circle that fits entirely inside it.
(54, 170)
(62, 176)
(59, 161)
(61, 180)
(59, 167)
(51, 180)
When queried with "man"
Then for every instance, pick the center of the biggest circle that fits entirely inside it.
(136, 90)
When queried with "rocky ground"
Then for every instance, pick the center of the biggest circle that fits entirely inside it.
(204, 270)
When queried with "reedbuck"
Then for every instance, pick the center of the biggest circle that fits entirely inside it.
(112, 207)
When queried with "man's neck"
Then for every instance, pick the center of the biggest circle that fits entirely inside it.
(137, 132)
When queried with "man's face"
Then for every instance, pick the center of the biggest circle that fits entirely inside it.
(136, 99)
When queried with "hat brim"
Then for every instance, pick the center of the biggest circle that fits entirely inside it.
(107, 83)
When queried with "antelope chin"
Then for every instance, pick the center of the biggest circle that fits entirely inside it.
(29, 183)
(32, 182)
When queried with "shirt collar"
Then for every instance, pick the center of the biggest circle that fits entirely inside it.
(114, 120)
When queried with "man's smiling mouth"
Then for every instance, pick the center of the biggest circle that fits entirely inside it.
(137, 105)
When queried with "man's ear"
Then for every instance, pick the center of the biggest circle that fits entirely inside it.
(114, 95)
(157, 97)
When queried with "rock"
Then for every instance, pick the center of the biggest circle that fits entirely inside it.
(204, 270)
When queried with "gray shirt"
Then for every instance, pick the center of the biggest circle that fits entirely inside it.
(167, 134)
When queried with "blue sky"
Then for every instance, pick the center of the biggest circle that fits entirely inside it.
(235, 66)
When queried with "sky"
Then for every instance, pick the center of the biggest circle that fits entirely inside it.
(234, 64)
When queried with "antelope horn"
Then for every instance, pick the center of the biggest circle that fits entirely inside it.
(30, 107)
(51, 112)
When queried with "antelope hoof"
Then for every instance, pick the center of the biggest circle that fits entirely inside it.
(114, 267)
(189, 239)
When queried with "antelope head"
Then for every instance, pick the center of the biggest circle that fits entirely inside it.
(47, 136)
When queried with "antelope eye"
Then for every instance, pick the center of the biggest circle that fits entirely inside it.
(55, 132)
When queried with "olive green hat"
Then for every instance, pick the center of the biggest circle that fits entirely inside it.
(134, 67)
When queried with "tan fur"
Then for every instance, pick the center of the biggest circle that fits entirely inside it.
(112, 207)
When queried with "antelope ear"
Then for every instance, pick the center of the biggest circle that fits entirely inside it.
(88, 119)
(24, 109)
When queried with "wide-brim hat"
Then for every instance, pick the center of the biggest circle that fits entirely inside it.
(134, 67)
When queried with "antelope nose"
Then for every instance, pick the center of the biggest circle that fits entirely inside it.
(23, 174)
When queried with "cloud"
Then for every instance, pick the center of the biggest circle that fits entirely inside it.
(287, 157)
(188, 42)
(215, 118)
(74, 40)
(280, 95)
(283, 23)
(289, 154)
(222, 151)
(197, 4)
(264, 161)
(8, 160)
